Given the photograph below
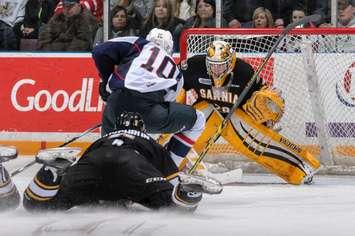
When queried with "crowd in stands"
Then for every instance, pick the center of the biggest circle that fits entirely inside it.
(77, 25)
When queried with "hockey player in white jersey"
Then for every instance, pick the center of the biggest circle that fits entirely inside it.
(139, 75)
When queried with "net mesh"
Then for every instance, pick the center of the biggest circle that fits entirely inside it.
(330, 106)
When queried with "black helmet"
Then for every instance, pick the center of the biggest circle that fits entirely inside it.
(130, 120)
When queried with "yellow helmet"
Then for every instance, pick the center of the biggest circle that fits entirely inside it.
(220, 61)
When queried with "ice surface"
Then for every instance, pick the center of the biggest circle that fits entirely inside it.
(260, 205)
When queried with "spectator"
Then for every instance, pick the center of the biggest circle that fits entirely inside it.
(262, 18)
(205, 15)
(291, 43)
(346, 19)
(297, 15)
(72, 30)
(143, 7)
(94, 6)
(281, 9)
(321, 7)
(279, 23)
(238, 12)
(11, 12)
(346, 14)
(241, 11)
(134, 15)
(162, 16)
(37, 13)
(185, 9)
(120, 26)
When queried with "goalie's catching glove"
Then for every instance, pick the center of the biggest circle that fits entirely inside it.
(265, 106)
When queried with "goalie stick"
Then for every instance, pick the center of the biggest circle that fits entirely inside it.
(213, 139)
(19, 170)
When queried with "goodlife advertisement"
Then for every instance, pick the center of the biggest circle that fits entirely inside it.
(49, 93)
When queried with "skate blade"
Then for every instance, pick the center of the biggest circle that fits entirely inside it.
(208, 185)
(51, 154)
(7, 153)
(229, 177)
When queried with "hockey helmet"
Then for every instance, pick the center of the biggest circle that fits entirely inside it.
(130, 120)
(220, 61)
(163, 38)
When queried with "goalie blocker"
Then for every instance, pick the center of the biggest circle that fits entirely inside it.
(265, 146)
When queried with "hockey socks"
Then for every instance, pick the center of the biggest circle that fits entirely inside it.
(181, 143)
(44, 186)
(9, 196)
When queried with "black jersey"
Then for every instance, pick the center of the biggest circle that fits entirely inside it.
(196, 77)
(140, 142)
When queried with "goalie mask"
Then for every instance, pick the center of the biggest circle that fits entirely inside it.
(163, 38)
(220, 61)
(130, 120)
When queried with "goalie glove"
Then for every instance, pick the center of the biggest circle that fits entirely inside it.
(265, 106)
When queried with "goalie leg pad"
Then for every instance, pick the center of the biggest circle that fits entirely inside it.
(260, 144)
(268, 148)
(264, 147)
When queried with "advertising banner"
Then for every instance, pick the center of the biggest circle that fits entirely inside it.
(49, 93)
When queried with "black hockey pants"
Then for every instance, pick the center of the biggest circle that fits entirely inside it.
(109, 174)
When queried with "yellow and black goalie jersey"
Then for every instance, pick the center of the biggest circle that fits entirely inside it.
(196, 79)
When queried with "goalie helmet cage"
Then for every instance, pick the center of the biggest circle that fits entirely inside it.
(314, 70)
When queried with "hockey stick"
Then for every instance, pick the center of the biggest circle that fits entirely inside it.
(213, 139)
(19, 170)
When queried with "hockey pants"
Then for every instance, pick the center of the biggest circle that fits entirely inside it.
(108, 174)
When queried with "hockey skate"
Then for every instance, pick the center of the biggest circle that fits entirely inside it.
(199, 183)
(188, 192)
(186, 197)
(59, 158)
(7, 153)
(308, 179)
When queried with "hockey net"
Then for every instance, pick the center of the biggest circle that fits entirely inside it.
(314, 69)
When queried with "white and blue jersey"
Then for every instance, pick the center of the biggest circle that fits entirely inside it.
(137, 64)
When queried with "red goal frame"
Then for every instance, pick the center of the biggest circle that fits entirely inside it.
(233, 31)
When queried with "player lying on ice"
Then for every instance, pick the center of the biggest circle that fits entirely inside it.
(212, 84)
(126, 164)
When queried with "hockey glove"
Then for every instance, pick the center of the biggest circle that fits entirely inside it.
(103, 93)
(265, 106)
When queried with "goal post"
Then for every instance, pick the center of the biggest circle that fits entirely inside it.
(314, 68)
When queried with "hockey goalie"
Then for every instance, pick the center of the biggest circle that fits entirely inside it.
(212, 84)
